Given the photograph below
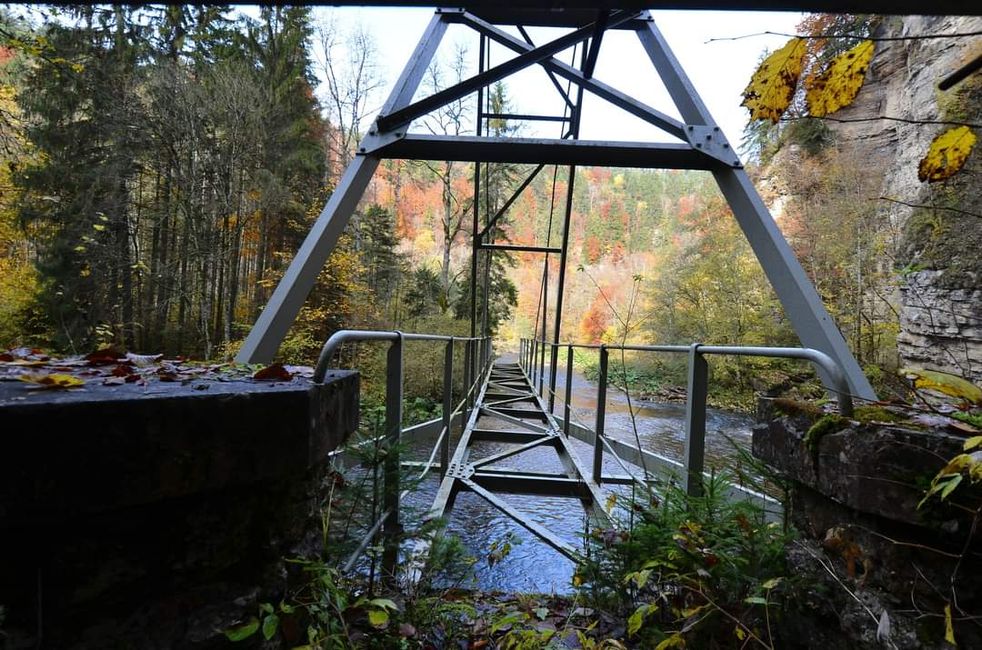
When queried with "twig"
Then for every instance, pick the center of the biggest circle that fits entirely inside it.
(877, 118)
(928, 207)
(878, 39)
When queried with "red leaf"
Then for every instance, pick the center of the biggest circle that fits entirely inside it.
(103, 357)
(6, 357)
(122, 370)
(275, 372)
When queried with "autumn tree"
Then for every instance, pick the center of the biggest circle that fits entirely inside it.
(450, 119)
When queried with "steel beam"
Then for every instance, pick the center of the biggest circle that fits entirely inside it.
(802, 304)
(519, 249)
(514, 451)
(390, 120)
(560, 486)
(523, 520)
(593, 153)
(511, 199)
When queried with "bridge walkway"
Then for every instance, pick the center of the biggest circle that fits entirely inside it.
(510, 412)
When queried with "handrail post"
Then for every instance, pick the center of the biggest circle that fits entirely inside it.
(598, 446)
(392, 529)
(535, 362)
(447, 406)
(553, 361)
(695, 421)
(467, 375)
(567, 411)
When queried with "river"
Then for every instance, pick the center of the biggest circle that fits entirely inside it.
(532, 566)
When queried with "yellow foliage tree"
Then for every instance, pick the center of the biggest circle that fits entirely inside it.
(18, 279)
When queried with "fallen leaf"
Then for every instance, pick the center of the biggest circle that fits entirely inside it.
(883, 627)
(946, 155)
(772, 86)
(275, 372)
(53, 380)
(122, 371)
(944, 382)
(840, 82)
(114, 381)
(949, 628)
(104, 357)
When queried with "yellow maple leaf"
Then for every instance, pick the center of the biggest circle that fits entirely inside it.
(840, 82)
(54, 380)
(946, 155)
(771, 88)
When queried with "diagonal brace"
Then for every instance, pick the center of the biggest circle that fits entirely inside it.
(598, 88)
(525, 59)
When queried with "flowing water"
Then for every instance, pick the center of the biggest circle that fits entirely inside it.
(532, 566)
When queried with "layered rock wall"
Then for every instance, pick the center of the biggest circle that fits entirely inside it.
(931, 234)
(937, 227)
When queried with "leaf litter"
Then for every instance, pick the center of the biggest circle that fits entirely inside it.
(115, 367)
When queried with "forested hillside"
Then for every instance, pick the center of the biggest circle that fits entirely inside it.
(161, 166)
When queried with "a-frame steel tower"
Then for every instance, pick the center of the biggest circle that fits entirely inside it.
(702, 146)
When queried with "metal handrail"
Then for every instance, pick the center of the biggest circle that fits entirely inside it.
(341, 337)
(477, 357)
(826, 363)
(532, 358)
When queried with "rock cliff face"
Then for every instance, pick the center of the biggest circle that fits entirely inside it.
(936, 229)
(938, 249)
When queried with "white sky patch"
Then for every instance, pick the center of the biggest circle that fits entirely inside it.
(719, 70)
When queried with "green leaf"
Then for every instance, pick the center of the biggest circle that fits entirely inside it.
(270, 625)
(972, 443)
(378, 617)
(383, 603)
(242, 632)
(674, 641)
(541, 613)
(755, 600)
(950, 486)
(636, 620)
(773, 582)
(508, 619)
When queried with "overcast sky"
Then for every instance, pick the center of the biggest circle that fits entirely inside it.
(719, 70)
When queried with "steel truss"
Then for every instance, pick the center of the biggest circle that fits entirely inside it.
(703, 147)
(510, 408)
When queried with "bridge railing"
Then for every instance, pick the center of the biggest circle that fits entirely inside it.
(532, 357)
(478, 356)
